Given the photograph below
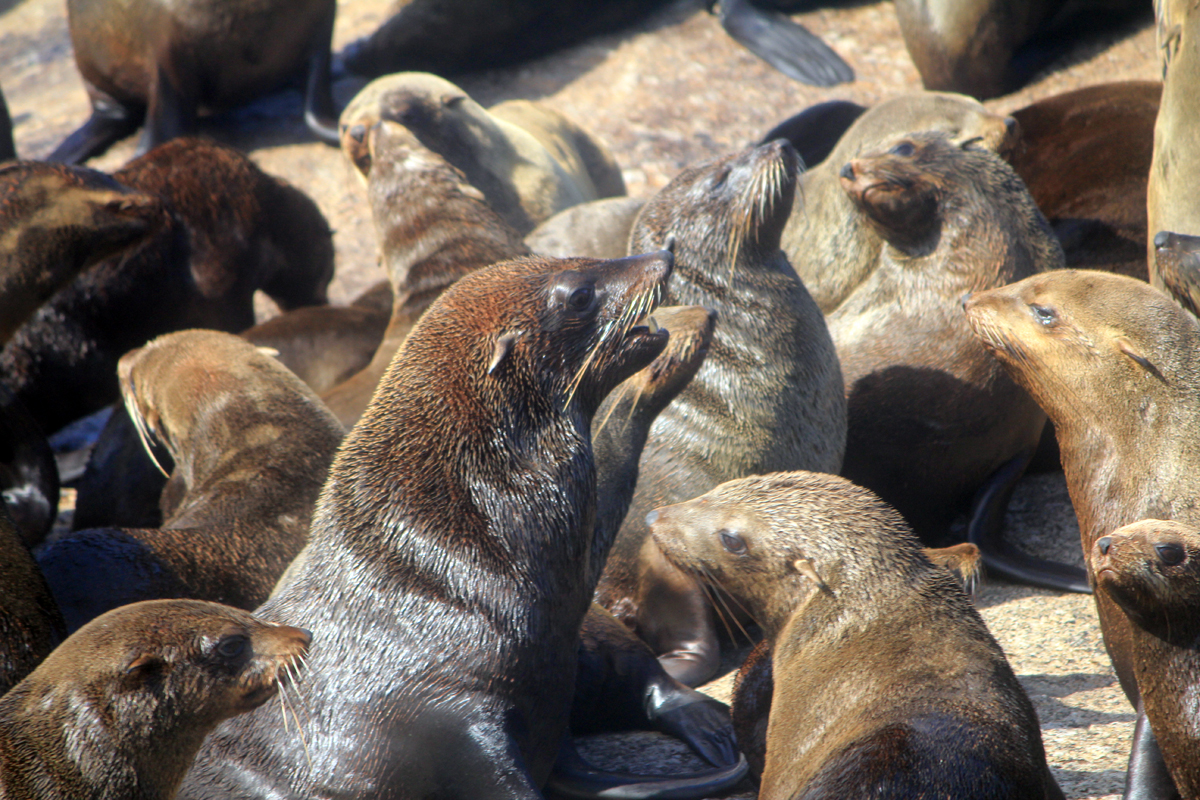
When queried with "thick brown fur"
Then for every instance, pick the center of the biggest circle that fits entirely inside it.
(1084, 156)
(1151, 569)
(118, 711)
(251, 446)
(768, 397)
(931, 414)
(30, 622)
(889, 683)
(232, 229)
(1177, 267)
(831, 246)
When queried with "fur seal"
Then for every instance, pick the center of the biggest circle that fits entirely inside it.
(120, 708)
(251, 446)
(433, 503)
(768, 397)
(1149, 569)
(433, 228)
(30, 622)
(824, 229)
(1177, 267)
(872, 643)
(596, 229)
(785, 45)
(232, 229)
(1084, 156)
(815, 131)
(1115, 364)
(1175, 169)
(932, 416)
(158, 62)
(524, 181)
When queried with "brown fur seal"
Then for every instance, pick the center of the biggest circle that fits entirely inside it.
(1084, 156)
(523, 180)
(1149, 569)
(433, 228)
(768, 397)
(932, 417)
(889, 682)
(30, 622)
(1175, 171)
(233, 229)
(118, 711)
(824, 229)
(597, 229)
(251, 446)
(161, 61)
(1177, 267)
(1115, 364)
(438, 557)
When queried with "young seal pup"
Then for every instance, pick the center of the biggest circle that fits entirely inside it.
(1150, 569)
(889, 683)
(251, 445)
(118, 711)
(768, 397)
(1115, 364)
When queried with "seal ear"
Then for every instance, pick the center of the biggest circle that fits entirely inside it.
(806, 568)
(143, 667)
(1126, 347)
(504, 346)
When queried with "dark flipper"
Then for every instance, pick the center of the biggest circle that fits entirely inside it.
(1177, 267)
(319, 113)
(1147, 777)
(575, 777)
(815, 131)
(8, 150)
(783, 44)
(985, 529)
(28, 471)
(109, 123)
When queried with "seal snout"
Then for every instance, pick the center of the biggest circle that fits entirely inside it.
(1103, 544)
(847, 173)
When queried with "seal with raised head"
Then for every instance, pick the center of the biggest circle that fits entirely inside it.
(824, 229)
(889, 683)
(119, 710)
(438, 556)
(1151, 569)
(232, 229)
(768, 397)
(1115, 364)
(251, 446)
(932, 416)
(156, 63)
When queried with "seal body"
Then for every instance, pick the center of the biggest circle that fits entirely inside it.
(768, 396)
(872, 645)
(30, 623)
(163, 60)
(597, 229)
(434, 532)
(121, 707)
(251, 445)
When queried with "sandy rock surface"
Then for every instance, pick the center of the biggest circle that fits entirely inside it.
(667, 92)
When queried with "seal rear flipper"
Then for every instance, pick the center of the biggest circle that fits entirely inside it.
(985, 529)
(575, 777)
(783, 44)
(109, 123)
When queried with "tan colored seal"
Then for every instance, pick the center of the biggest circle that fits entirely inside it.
(119, 710)
(888, 682)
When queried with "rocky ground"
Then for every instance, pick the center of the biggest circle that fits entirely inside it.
(667, 92)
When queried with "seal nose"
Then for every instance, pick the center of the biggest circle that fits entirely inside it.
(966, 298)
(848, 171)
(652, 517)
(1162, 238)
(1103, 543)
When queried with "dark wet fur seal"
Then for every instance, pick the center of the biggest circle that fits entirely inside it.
(1175, 169)
(769, 396)
(158, 63)
(932, 416)
(842, 591)
(1085, 156)
(232, 229)
(489, 401)
(815, 131)
(121, 484)
(1149, 569)
(433, 228)
(824, 229)
(986, 48)
(118, 711)
(1177, 267)
(30, 622)
(1115, 364)
(450, 37)
(251, 446)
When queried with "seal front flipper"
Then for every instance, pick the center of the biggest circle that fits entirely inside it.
(109, 123)
(816, 130)
(1147, 777)
(577, 778)
(783, 44)
(1177, 268)
(985, 529)
(319, 113)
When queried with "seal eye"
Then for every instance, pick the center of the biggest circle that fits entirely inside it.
(903, 149)
(232, 646)
(1044, 314)
(732, 542)
(1170, 554)
(581, 299)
